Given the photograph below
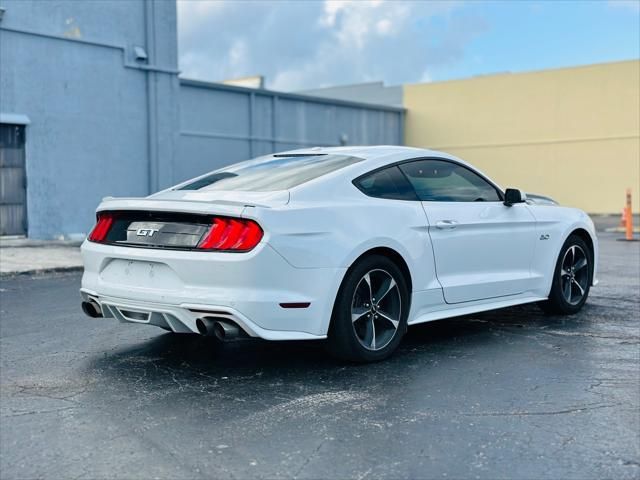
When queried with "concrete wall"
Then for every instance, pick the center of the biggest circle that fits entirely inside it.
(100, 123)
(573, 133)
(221, 124)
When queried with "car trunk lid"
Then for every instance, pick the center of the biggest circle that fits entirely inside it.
(178, 219)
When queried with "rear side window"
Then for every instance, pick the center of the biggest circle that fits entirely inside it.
(270, 173)
(442, 181)
(388, 183)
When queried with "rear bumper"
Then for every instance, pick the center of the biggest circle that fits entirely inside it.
(182, 318)
(171, 289)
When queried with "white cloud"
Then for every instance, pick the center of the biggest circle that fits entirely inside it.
(238, 53)
(384, 26)
(633, 5)
(425, 77)
(192, 13)
(299, 45)
(331, 9)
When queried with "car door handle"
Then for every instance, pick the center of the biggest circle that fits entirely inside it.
(446, 224)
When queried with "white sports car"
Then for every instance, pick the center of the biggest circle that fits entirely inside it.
(347, 244)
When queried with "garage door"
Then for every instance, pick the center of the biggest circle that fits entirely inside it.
(13, 194)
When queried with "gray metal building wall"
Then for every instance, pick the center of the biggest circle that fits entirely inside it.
(370, 92)
(221, 124)
(101, 123)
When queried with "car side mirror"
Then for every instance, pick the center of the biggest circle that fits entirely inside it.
(513, 196)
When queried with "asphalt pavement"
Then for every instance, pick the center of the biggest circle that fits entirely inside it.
(504, 394)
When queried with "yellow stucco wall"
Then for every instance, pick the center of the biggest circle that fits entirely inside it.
(572, 133)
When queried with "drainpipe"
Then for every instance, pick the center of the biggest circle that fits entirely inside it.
(152, 96)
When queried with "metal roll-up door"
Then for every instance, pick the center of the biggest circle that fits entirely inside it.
(13, 192)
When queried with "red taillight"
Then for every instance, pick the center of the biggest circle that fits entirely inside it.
(100, 231)
(235, 234)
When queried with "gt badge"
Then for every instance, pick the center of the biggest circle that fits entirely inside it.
(146, 232)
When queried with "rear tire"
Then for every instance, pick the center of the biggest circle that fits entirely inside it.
(571, 278)
(365, 328)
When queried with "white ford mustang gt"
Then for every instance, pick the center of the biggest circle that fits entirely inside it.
(348, 244)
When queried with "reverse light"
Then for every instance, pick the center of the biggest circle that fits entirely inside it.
(231, 234)
(100, 231)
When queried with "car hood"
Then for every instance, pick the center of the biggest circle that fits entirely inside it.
(536, 199)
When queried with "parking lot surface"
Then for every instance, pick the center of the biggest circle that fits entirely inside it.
(504, 394)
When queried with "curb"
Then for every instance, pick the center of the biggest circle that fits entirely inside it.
(41, 271)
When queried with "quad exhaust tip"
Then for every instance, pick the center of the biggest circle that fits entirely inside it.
(92, 309)
(219, 328)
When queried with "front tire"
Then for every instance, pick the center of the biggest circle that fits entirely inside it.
(370, 313)
(571, 278)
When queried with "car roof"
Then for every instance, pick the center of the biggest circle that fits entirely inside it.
(374, 157)
(367, 152)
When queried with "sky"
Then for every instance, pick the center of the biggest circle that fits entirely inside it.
(308, 44)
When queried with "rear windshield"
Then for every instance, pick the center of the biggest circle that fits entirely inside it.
(267, 174)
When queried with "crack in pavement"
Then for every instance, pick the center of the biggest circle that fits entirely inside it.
(34, 412)
(580, 409)
(311, 456)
